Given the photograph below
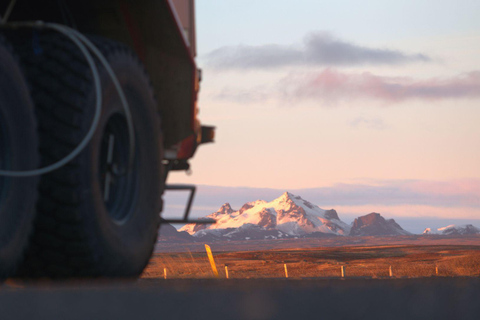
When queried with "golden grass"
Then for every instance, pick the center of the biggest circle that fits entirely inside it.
(370, 262)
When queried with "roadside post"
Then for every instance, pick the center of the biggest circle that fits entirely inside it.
(212, 261)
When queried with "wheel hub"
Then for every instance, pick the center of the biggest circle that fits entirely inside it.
(118, 183)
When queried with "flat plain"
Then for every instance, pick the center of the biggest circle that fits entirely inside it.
(365, 257)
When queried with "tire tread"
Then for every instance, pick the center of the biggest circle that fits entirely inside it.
(60, 79)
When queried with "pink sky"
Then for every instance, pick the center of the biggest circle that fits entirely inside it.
(327, 101)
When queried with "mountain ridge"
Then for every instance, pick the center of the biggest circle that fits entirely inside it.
(373, 224)
(290, 216)
(453, 229)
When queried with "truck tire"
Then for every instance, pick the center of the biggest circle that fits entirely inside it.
(89, 225)
(18, 151)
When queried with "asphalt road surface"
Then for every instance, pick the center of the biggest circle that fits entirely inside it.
(389, 299)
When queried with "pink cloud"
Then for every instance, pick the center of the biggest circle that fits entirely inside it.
(332, 85)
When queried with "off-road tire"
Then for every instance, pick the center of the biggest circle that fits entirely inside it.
(18, 152)
(77, 233)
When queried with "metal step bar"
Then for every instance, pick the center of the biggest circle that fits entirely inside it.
(192, 189)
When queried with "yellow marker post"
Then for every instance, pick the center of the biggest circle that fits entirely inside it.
(226, 271)
(164, 273)
(210, 258)
(286, 270)
(390, 272)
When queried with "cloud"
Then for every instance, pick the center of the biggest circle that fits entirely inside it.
(318, 48)
(446, 194)
(330, 86)
(454, 199)
(249, 95)
(371, 123)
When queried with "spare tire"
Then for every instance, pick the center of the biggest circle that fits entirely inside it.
(96, 216)
(18, 152)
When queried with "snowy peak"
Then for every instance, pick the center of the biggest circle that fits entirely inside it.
(225, 209)
(287, 196)
(292, 200)
(454, 230)
(289, 214)
(374, 224)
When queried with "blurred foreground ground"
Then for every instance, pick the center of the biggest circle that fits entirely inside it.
(424, 298)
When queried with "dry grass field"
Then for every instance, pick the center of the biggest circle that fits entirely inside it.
(360, 261)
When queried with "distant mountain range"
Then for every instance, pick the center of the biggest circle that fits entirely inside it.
(454, 230)
(288, 216)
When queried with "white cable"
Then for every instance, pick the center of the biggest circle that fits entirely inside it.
(128, 115)
(77, 39)
(8, 11)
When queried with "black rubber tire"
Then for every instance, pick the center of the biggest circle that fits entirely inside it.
(75, 234)
(18, 151)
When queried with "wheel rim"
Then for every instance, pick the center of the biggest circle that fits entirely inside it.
(118, 184)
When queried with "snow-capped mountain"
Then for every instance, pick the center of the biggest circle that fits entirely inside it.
(245, 232)
(454, 230)
(374, 224)
(290, 215)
